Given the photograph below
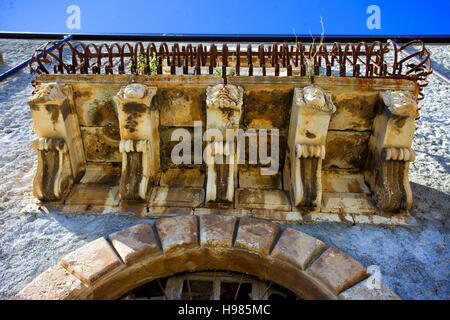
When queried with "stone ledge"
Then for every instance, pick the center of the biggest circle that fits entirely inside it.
(55, 283)
(135, 242)
(337, 270)
(92, 261)
(177, 233)
(217, 231)
(142, 210)
(361, 291)
(256, 235)
(297, 248)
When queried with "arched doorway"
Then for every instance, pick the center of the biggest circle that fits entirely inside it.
(210, 285)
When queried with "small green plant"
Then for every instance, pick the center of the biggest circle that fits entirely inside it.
(310, 60)
(218, 73)
(143, 62)
(310, 68)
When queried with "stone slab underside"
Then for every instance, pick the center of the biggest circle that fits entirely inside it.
(126, 135)
(346, 198)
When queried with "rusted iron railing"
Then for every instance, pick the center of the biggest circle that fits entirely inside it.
(375, 60)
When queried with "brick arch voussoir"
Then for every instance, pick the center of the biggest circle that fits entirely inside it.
(110, 268)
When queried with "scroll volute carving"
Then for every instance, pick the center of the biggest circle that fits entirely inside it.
(53, 177)
(224, 111)
(310, 116)
(386, 169)
(139, 145)
(224, 106)
(135, 112)
(61, 160)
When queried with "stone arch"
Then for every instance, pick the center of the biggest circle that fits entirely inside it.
(109, 268)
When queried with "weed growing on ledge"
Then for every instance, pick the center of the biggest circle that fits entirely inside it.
(310, 60)
(143, 62)
(218, 73)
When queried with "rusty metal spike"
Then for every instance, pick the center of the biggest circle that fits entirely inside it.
(369, 57)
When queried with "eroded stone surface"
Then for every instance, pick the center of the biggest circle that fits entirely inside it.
(56, 283)
(256, 235)
(94, 194)
(263, 199)
(346, 149)
(92, 261)
(333, 181)
(101, 144)
(354, 110)
(404, 219)
(217, 231)
(160, 211)
(362, 292)
(102, 173)
(329, 217)
(176, 177)
(177, 232)
(266, 108)
(177, 197)
(180, 107)
(135, 242)
(252, 178)
(95, 105)
(297, 248)
(133, 207)
(337, 270)
(274, 215)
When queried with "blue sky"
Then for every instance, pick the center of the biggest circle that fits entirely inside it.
(279, 17)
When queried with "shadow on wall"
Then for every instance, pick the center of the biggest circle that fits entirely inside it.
(430, 204)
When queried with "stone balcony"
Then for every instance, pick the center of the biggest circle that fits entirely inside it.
(344, 145)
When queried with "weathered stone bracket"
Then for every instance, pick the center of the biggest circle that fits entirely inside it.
(224, 111)
(221, 178)
(54, 173)
(139, 143)
(386, 169)
(306, 170)
(310, 116)
(59, 145)
(136, 169)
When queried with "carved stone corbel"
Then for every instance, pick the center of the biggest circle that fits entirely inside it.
(310, 116)
(139, 143)
(221, 177)
(386, 169)
(54, 173)
(224, 111)
(55, 119)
